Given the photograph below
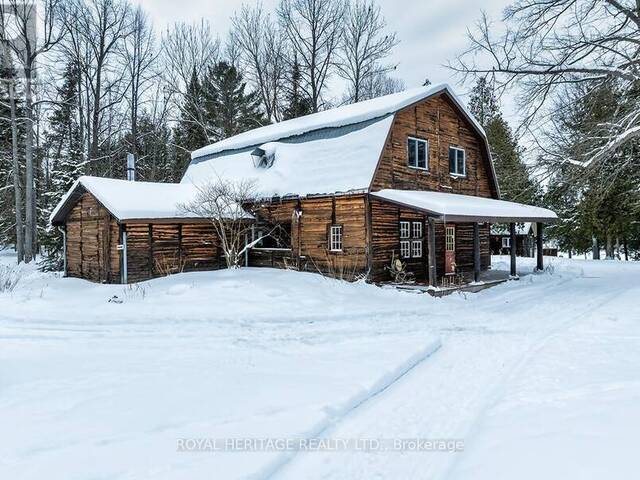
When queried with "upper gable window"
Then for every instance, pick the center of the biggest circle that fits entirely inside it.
(417, 151)
(457, 162)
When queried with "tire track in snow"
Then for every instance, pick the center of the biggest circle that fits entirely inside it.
(468, 375)
(338, 413)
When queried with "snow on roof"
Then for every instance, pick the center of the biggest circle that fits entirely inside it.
(342, 161)
(336, 117)
(464, 207)
(129, 200)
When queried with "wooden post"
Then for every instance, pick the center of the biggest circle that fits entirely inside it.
(513, 248)
(539, 229)
(476, 252)
(432, 252)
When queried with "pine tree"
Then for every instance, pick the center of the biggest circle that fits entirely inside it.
(230, 110)
(513, 175)
(190, 132)
(64, 163)
(298, 104)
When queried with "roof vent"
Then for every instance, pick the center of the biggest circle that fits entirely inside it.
(264, 156)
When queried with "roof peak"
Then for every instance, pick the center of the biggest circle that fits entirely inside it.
(335, 117)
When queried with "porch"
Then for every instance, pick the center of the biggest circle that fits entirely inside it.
(456, 233)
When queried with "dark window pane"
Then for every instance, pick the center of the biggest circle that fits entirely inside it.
(422, 154)
(412, 152)
(460, 162)
(452, 160)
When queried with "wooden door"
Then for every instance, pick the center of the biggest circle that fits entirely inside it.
(450, 250)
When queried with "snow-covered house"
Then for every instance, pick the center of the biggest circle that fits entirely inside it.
(500, 239)
(406, 176)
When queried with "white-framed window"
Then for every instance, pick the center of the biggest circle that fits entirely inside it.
(450, 239)
(335, 238)
(506, 242)
(457, 162)
(418, 153)
(416, 248)
(417, 229)
(405, 229)
(405, 249)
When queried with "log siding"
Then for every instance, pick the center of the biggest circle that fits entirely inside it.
(438, 121)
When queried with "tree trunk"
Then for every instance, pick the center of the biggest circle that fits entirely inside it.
(29, 243)
(17, 187)
(609, 246)
(625, 246)
(595, 248)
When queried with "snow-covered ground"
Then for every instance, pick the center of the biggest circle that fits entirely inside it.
(539, 378)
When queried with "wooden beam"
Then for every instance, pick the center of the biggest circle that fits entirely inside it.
(539, 231)
(513, 249)
(432, 252)
(476, 252)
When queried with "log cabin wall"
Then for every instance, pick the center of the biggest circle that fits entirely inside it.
(159, 249)
(439, 122)
(310, 234)
(385, 243)
(92, 239)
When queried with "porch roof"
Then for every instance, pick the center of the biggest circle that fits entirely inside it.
(465, 208)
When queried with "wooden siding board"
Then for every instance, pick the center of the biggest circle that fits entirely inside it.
(439, 122)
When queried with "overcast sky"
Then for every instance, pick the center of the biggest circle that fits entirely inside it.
(431, 32)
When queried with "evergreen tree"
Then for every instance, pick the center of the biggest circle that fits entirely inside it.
(608, 193)
(230, 110)
(190, 132)
(298, 104)
(513, 175)
(63, 163)
(154, 161)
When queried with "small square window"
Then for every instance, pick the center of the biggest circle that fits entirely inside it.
(417, 153)
(417, 229)
(506, 242)
(404, 229)
(457, 162)
(335, 238)
(416, 249)
(405, 249)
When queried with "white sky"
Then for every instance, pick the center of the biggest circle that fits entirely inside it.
(431, 32)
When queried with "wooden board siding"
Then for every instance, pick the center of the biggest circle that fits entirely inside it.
(309, 234)
(385, 242)
(439, 122)
(159, 249)
(92, 240)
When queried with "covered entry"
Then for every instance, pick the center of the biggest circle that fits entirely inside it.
(459, 220)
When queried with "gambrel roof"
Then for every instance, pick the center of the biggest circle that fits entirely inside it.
(334, 151)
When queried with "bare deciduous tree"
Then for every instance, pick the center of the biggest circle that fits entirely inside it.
(549, 44)
(17, 183)
(262, 55)
(314, 28)
(140, 56)
(365, 45)
(96, 30)
(223, 202)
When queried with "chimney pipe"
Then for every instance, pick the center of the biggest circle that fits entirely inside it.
(131, 167)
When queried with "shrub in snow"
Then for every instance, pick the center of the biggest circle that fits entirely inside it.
(9, 278)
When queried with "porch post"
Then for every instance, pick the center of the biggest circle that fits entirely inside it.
(512, 231)
(432, 252)
(476, 252)
(539, 228)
